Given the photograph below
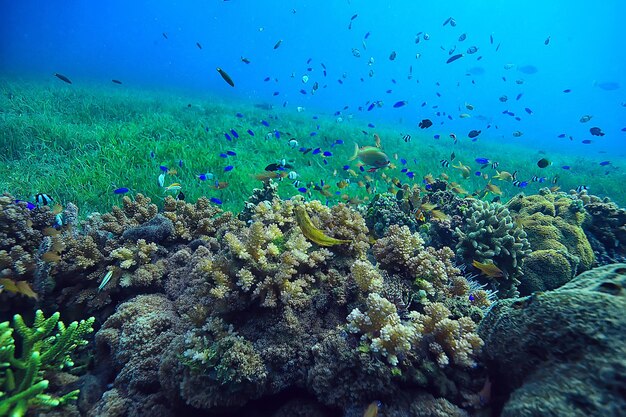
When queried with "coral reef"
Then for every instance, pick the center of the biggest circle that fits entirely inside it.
(489, 235)
(385, 210)
(606, 229)
(43, 349)
(577, 369)
(245, 305)
(553, 223)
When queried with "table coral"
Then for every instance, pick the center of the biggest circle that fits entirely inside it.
(490, 235)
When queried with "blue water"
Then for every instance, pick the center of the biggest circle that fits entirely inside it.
(94, 42)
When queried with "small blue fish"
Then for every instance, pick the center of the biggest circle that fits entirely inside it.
(250, 132)
(231, 153)
(303, 91)
(202, 177)
(239, 115)
(478, 173)
(410, 174)
(346, 167)
(371, 106)
(399, 104)
(587, 141)
(228, 168)
(404, 170)
(371, 125)
(275, 93)
(302, 189)
(567, 91)
(152, 155)
(313, 134)
(327, 153)
(216, 200)
(403, 161)
(223, 155)
(437, 136)
(29, 205)
(163, 168)
(519, 96)
(528, 110)
(265, 123)
(266, 79)
(566, 167)
(122, 190)
(605, 163)
(316, 151)
(338, 142)
(482, 161)
(234, 133)
(562, 135)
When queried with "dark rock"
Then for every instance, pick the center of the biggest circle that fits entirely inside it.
(561, 352)
(157, 230)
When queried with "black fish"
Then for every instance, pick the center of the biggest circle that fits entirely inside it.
(164, 35)
(454, 58)
(596, 131)
(426, 123)
(473, 133)
(116, 81)
(543, 162)
(198, 45)
(226, 77)
(272, 167)
(278, 44)
(180, 196)
(62, 78)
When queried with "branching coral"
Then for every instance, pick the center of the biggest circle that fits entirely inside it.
(131, 214)
(382, 331)
(193, 221)
(43, 349)
(490, 235)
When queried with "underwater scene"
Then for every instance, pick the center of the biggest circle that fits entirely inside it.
(295, 208)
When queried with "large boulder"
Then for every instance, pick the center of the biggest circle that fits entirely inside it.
(562, 352)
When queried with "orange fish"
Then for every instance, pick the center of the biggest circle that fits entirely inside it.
(220, 185)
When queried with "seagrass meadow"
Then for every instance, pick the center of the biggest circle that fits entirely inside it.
(80, 144)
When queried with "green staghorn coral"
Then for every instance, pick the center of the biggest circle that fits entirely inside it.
(22, 384)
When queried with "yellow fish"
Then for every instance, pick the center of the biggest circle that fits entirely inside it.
(493, 188)
(489, 269)
(503, 176)
(173, 187)
(372, 409)
(465, 170)
(371, 155)
(313, 233)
